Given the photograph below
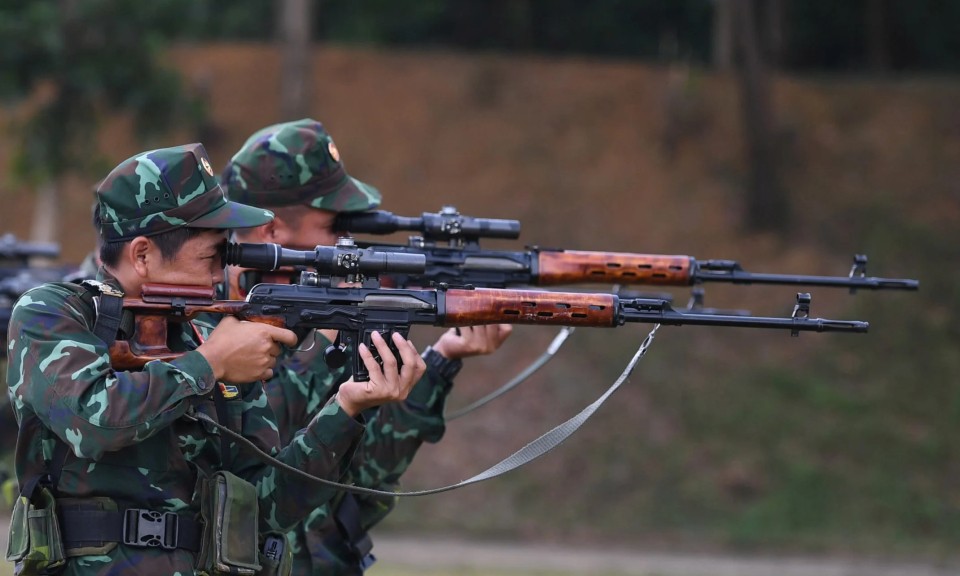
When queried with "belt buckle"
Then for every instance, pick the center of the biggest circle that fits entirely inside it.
(146, 528)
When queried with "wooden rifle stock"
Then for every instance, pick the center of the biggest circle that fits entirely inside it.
(576, 267)
(160, 304)
(495, 306)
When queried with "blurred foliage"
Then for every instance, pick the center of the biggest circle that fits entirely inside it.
(78, 60)
(818, 34)
(832, 35)
(95, 55)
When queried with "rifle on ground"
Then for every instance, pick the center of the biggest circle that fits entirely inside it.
(17, 275)
(356, 312)
(454, 257)
(15, 254)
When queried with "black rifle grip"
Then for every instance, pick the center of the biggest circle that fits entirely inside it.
(360, 373)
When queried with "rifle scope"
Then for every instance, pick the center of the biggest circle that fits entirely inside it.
(13, 249)
(340, 260)
(448, 224)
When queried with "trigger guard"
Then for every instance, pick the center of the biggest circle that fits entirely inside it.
(301, 334)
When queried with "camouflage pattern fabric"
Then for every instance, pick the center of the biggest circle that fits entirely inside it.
(301, 385)
(169, 188)
(8, 441)
(125, 433)
(393, 435)
(295, 163)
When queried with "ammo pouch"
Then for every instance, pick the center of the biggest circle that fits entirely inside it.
(275, 555)
(229, 545)
(35, 542)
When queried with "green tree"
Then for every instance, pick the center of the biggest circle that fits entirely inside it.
(75, 61)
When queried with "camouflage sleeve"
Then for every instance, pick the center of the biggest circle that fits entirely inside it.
(396, 431)
(300, 387)
(61, 370)
(323, 448)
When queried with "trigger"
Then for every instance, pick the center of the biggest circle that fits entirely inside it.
(301, 334)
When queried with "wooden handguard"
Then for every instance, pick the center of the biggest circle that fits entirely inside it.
(577, 267)
(494, 306)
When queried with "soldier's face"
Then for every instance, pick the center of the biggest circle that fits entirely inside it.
(315, 228)
(198, 262)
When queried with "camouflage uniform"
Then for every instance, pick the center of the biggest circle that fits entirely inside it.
(298, 163)
(125, 432)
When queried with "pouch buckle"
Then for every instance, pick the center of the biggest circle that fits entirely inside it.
(146, 528)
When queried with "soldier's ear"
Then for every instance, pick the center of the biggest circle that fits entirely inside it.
(264, 233)
(139, 254)
(273, 231)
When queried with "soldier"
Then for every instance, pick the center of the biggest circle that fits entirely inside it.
(295, 170)
(115, 473)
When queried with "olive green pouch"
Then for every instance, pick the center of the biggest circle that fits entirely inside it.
(275, 556)
(229, 507)
(35, 542)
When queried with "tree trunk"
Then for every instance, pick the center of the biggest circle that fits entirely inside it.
(723, 34)
(876, 36)
(46, 218)
(295, 35)
(767, 206)
(774, 37)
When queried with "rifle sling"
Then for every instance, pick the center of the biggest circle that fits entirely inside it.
(520, 378)
(52, 469)
(350, 530)
(546, 442)
(108, 309)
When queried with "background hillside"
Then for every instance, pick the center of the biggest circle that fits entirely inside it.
(722, 438)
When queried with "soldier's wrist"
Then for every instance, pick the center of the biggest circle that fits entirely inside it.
(447, 368)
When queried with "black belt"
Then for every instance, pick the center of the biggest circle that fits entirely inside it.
(133, 527)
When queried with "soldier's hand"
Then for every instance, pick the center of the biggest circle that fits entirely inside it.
(472, 340)
(244, 351)
(389, 384)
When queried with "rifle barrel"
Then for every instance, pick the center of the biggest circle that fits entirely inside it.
(660, 312)
(853, 282)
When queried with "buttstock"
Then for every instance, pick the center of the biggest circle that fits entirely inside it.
(148, 342)
(496, 306)
(584, 267)
(123, 357)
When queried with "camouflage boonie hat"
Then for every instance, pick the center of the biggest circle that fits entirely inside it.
(164, 189)
(295, 163)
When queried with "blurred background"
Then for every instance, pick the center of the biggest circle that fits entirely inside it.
(786, 134)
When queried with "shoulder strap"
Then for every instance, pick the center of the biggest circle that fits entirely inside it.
(108, 305)
(546, 442)
(350, 529)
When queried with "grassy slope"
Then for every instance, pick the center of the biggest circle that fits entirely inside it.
(732, 439)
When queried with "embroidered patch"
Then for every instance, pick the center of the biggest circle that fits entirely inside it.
(229, 390)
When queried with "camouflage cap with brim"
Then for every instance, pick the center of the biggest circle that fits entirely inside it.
(165, 189)
(295, 163)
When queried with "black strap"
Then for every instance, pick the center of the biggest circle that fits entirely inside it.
(220, 404)
(93, 528)
(347, 517)
(109, 316)
(109, 311)
(53, 467)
